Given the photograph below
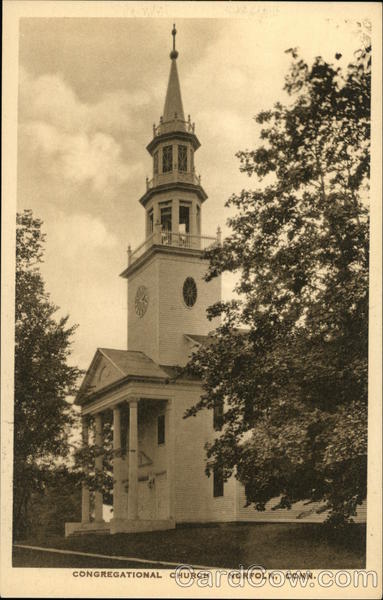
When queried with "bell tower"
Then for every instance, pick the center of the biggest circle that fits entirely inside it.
(167, 296)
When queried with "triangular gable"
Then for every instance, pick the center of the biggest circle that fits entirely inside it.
(101, 373)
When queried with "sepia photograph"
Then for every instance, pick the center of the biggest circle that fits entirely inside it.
(190, 339)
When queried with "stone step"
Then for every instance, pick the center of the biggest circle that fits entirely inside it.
(79, 532)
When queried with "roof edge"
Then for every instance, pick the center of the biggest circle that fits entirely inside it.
(183, 185)
(163, 137)
(160, 249)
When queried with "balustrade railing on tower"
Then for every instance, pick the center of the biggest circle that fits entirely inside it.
(176, 176)
(174, 239)
(173, 125)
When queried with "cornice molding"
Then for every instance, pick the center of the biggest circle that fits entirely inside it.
(173, 185)
(172, 135)
(160, 249)
(122, 389)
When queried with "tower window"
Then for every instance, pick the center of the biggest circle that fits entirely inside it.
(166, 217)
(217, 482)
(167, 159)
(155, 163)
(182, 158)
(198, 219)
(161, 429)
(184, 218)
(150, 221)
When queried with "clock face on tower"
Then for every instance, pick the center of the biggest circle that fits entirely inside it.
(189, 292)
(141, 301)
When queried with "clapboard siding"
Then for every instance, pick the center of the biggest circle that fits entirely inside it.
(194, 501)
(193, 489)
(143, 332)
(300, 512)
(175, 319)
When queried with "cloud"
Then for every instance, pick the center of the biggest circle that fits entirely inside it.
(76, 158)
(78, 235)
(82, 261)
(71, 141)
(49, 98)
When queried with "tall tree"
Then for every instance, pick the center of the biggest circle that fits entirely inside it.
(57, 503)
(294, 384)
(43, 378)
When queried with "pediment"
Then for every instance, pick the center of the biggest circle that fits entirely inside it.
(101, 373)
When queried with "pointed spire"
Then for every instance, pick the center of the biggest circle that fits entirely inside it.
(173, 103)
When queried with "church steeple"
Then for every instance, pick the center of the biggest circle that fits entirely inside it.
(167, 294)
(173, 109)
(172, 149)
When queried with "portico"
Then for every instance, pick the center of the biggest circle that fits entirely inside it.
(143, 450)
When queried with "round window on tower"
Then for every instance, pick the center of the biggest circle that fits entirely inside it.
(189, 292)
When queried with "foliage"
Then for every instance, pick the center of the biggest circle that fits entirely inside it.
(294, 383)
(43, 378)
(59, 502)
(85, 459)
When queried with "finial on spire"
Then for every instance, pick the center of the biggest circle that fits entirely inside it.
(174, 52)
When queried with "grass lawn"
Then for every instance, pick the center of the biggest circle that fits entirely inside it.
(270, 545)
(34, 558)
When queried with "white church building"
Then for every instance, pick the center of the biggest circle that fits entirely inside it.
(159, 477)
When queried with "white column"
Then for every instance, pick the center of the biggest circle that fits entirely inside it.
(117, 471)
(133, 461)
(85, 506)
(170, 457)
(156, 213)
(98, 496)
(125, 476)
(193, 223)
(175, 218)
(157, 232)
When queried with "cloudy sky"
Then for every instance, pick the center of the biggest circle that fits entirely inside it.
(90, 90)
